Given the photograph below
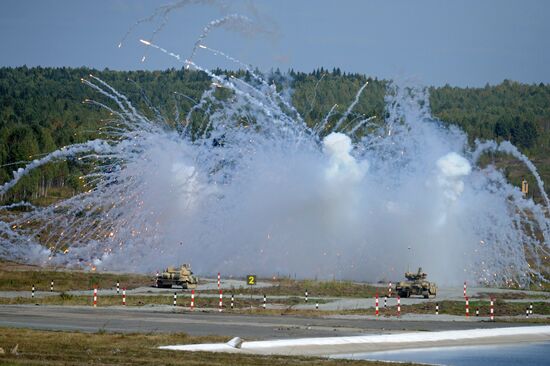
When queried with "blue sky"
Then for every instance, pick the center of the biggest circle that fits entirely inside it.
(462, 43)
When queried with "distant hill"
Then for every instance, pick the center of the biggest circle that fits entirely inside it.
(41, 110)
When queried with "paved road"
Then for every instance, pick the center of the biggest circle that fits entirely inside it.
(113, 319)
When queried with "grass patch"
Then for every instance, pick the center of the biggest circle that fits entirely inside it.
(287, 287)
(502, 308)
(22, 277)
(32, 347)
(510, 295)
(183, 300)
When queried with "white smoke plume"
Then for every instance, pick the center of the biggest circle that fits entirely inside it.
(235, 22)
(273, 197)
(452, 168)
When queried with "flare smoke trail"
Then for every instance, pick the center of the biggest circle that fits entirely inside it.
(161, 14)
(237, 22)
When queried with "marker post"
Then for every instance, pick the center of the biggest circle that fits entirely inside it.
(398, 306)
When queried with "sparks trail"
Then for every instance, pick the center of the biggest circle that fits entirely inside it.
(152, 185)
(241, 64)
(350, 108)
(312, 101)
(150, 44)
(162, 13)
(362, 123)
(275, 97)
(236, 22)
(508, 148)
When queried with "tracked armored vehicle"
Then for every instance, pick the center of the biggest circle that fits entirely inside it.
(416, 285)
(177, 277)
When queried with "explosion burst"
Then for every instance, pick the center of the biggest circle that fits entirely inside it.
(253, 189)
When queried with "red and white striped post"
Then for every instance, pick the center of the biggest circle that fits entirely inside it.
(492, 310)
(376, 304)
(464, 288)
(467, 307)
(398, 305)
(175, 298)
(192, 299)
(389, 289)
(95, 296)
(221, 301)
(124, 297)
(219, 280)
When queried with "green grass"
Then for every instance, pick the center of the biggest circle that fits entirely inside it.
(183, 300)
(510, 295)
(55, 194)
(15, 277)
(34, 347)
(286, 287)
(501, 308)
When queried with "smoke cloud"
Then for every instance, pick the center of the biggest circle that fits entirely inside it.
(274, 197)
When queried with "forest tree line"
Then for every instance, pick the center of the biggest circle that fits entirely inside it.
(42, 109)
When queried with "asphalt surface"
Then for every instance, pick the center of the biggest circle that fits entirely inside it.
(88, 319)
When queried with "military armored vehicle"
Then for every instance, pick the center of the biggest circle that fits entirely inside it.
(177, 277)
(416, 285)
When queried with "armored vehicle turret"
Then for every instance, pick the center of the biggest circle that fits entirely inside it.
(416, 284)
(177, 277)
